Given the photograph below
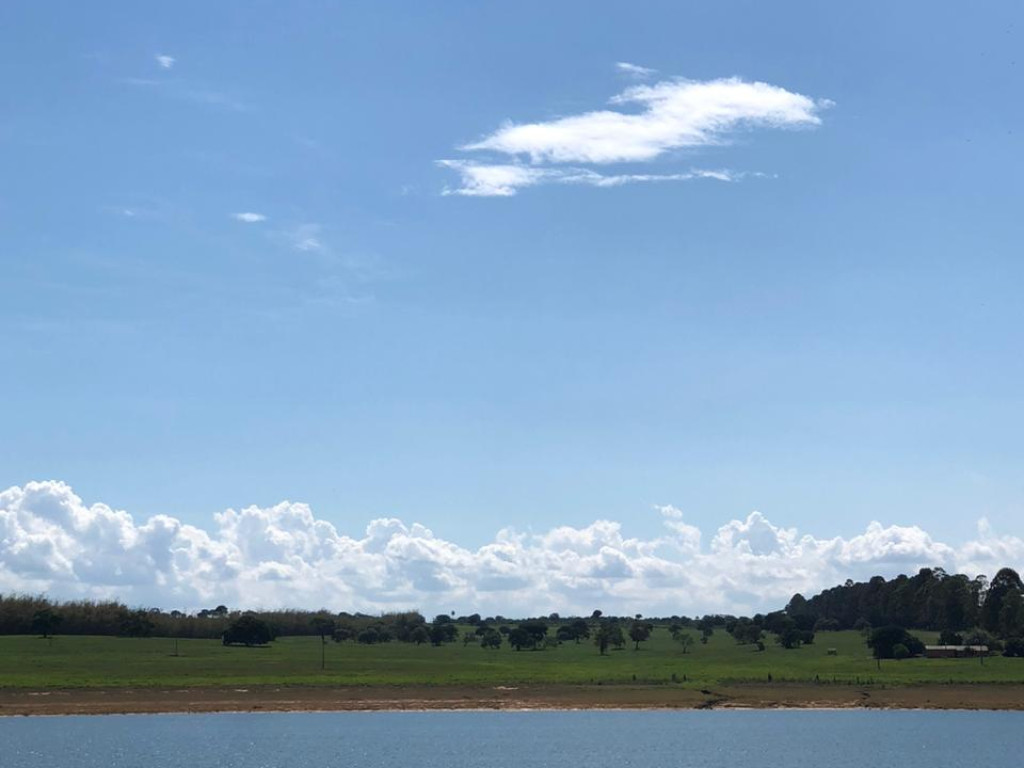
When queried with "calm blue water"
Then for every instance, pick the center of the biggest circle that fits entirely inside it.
(746, 739)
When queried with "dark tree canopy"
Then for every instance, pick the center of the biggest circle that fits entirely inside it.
(443, 632)
(883, 642)
(248, 630)
(137, 624)
(609, 634)
(1004, 592)
(491, 639)
(931, 599)
(45, 622)
(323, 625)
(640, 632)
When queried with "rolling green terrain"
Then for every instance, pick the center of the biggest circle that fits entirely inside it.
(71, 661)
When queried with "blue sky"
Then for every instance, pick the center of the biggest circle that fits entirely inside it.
(237, 272)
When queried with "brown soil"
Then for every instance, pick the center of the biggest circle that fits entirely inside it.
(312, 698)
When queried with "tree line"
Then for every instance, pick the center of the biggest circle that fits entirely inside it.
(964, 610)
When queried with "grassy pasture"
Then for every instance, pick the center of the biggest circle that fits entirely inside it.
(69, 661)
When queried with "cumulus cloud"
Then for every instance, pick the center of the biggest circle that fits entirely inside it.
(249, 217)
(674, 114)
(165, 61)
(284, 555)
(651, 122)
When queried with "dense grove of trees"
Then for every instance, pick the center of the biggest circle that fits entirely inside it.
(932, 599)
(965, 611)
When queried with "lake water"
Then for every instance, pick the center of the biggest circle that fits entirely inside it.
(747, 739)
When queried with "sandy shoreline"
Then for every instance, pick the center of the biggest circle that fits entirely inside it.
(81, 701)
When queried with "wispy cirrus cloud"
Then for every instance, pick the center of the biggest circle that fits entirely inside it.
(653, 123)
(482, 180)
(634, 70)
(307, 238)
(185, 90)
(249, 217)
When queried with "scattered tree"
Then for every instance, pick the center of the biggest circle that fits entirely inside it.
(45, 622)
(519, 639)
(443, 631)
(685, 639)
(609, 633)
(639, 632)
(324, 626)
(420, 635)
(491, 639)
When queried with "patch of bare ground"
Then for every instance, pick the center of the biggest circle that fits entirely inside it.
(313, 698)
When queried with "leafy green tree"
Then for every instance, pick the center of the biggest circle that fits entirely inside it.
(746, 632)
(565, 634)
(1005, 583)
(323, 626)
(580, 629)
(609, 633)
(1011, 615)
(685, 639)
(369, 636)
(420, 635)
(491, 639)
(883, 642)
(45, 622)
(404, 624)
(247, 630)
(618, 637)
(640, 632)
(519, 639)
(443, 632)
(343, 632)
(900, 651)
(790, 638)
(537, 628)
(706, 625)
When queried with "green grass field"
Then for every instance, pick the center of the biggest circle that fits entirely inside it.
(67, 661)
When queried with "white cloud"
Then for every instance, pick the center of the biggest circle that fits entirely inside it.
(308, 244)
(165, 61)
(248, 217)
(481, 180)
(307, 238)
(634, 70)
(653, 122)
(675, 114)
(53, 542)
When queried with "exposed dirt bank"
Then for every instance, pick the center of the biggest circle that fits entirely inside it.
(311, 698)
